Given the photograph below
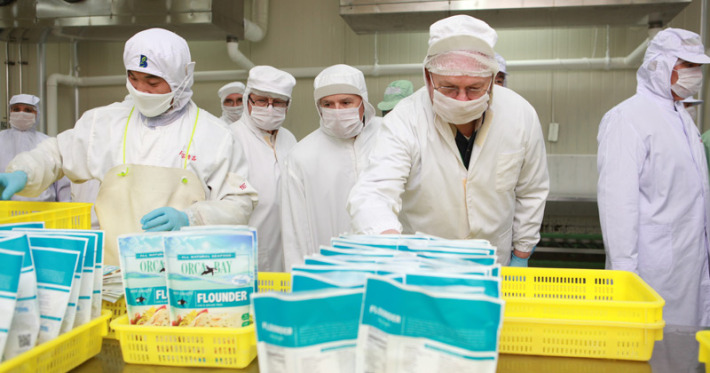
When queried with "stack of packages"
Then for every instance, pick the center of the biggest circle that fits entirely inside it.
(48, 285)
(200, 276)
(385, 304)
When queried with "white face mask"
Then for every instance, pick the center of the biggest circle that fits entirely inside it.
(268, 118)
(341, 123)
(21, 120)
(150, 104)
(690, 80)
(233, 113)
(459, 112)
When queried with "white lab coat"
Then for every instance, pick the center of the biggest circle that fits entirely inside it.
(95, 145)
(416, 180)
(14, 142)
(317, 177)
(265, 159)
(653, 196)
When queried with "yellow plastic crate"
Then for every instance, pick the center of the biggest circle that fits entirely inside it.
(117, 309)
(579, 294)
(64, 353)
(194, 347)
(57, 215)
(703, 337)
(579, 313)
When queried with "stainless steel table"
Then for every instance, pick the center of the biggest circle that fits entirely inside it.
(676, 353)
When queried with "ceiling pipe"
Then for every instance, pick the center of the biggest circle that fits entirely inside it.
(254, 31)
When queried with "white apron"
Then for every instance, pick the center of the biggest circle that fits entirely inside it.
(124, 197)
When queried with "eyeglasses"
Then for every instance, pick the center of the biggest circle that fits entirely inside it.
(471, 92)
(265, 102)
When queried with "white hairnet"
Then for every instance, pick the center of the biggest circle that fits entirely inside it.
(230, 88)
(342, 79)
(461, 45)
(165, 54)
(501, 64)
(664, 50)
(27, 100)
(268, 79)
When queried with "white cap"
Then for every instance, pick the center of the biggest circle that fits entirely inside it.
(25, 99)
(501, 64)
(268, 79)
(461, 45)
(461, 32)
(165, 54)
(230, 88)
(678, 43)
(342, 79)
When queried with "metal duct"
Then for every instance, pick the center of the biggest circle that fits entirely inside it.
(369, 16)
(120, 19)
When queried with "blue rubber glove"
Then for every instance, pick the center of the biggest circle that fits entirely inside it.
(518, 262)
(164, 219)
(11, 183)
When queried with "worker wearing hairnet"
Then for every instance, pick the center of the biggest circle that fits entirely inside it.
(23, 136)
(653, 180)
(461, 157)
(163, 162)
(266, 143)
(322, 168)
(502, 75)
(394, 93)
(230, 97)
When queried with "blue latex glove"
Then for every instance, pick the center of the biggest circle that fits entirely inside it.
(515, 261)
(164, 219)
(11, 183)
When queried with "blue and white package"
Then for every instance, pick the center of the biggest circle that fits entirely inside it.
(55, 270)
(486, 285)
(80, 245)
(211, 276)
(85, 303)
(307, 332)
(409, 329)
(143, 271)
(25, 322)
(11, 226)
(302, 281)
(98, 278)
(10, 268)
(231, 228)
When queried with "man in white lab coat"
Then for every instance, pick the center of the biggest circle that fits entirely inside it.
(322, 168)
(163, 163)
(267, 98)
(23, 136)
(461, 157)
(653, 180)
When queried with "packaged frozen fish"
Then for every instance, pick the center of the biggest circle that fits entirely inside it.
(211, 276)
(143, 269)
(10, 267)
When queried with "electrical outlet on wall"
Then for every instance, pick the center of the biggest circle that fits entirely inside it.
(553, 131)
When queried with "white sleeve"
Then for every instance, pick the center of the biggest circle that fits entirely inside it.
(231, 199)
(296, 227)
(375, 200)
(620, 158)
(531, 191)
(43, 166)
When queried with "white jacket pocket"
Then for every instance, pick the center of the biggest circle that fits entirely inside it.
(655, 248)
(508, 170)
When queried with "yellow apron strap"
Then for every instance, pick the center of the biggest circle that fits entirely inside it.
(187, 155)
